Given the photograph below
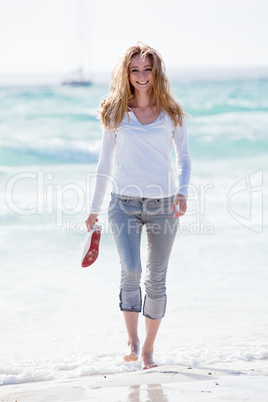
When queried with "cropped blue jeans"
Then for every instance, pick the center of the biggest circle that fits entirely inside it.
(127, 215)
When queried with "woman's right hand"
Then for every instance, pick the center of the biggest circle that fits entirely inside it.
(92, 218)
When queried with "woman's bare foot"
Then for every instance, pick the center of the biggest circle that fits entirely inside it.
(147, 360)
(134, 351)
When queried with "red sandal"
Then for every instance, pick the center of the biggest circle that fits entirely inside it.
(90, 247)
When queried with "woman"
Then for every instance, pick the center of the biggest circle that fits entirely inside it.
(141, 120)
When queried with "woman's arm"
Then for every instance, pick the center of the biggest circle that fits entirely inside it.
(183, 162)
(103, 175)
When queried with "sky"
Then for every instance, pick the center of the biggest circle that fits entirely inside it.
(56, 36)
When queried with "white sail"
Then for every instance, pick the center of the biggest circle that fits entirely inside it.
(78, 77)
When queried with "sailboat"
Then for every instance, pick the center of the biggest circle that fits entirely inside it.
(78, 77)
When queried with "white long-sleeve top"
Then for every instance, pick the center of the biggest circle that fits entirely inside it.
(142, 160)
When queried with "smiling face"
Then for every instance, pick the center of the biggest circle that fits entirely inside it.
(140, 73)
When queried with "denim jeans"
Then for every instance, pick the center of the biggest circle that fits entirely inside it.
(127, 215)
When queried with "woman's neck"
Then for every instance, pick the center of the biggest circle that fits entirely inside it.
(143, 99)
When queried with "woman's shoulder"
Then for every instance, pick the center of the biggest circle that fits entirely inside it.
(176, 117)
(167, 119)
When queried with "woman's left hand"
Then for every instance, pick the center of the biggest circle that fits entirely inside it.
(181, 201)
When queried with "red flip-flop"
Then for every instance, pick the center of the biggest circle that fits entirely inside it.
(90, 247)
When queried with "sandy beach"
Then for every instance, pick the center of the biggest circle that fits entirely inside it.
(164, 383)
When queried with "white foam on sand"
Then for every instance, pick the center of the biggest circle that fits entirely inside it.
(164, 383)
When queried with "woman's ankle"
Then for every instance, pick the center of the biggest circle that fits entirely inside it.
(133, 341)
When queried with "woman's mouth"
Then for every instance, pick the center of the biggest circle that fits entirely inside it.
(142, 82)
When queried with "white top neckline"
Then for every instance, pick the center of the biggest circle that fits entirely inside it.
(148, 124)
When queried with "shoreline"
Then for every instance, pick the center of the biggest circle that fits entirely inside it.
(163, 383)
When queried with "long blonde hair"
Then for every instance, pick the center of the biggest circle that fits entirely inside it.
(122, 93)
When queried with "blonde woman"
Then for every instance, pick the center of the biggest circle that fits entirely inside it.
(141, 122)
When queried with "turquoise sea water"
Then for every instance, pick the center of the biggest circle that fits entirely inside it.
(55, 322)
(54, 125)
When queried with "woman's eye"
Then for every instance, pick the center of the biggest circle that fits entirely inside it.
(136, 71)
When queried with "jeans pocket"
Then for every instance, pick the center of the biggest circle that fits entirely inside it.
(163, 206)
(166, 201)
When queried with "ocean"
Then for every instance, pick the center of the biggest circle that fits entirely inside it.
(60, 321)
